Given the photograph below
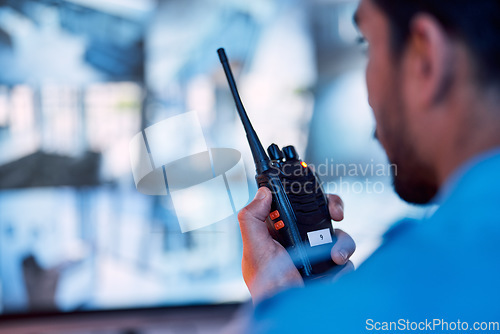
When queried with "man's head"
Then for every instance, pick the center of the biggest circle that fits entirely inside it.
(432, 64)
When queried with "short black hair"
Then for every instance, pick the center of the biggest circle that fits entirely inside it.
(476, 22)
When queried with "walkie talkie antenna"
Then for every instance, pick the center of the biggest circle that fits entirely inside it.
(259, 155)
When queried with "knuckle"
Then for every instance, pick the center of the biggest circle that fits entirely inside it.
(244, 214)
(341, 234)
(345, 241)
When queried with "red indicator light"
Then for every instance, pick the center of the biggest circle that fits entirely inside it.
(303, 164)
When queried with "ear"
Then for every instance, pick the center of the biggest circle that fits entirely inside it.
(431, 59)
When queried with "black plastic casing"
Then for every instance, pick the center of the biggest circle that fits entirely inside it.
(303, 207)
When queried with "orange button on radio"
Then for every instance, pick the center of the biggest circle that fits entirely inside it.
(279, 225)
(274, 215)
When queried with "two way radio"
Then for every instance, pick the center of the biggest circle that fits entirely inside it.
(299, 218)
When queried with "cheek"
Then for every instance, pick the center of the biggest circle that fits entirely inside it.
(376, 84)
(370, 85)
(374, 87)
(381, 93)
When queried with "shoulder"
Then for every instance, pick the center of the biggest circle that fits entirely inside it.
(441, 267)
(417, 273)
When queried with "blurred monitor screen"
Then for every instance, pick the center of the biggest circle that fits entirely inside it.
(80, 78)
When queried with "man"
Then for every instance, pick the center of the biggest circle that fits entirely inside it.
(433, 79)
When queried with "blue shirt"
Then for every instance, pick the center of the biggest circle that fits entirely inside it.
(442, 271)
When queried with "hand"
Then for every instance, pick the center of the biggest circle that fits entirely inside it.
(267, 267)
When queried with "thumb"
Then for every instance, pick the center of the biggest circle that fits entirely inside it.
(252, 217)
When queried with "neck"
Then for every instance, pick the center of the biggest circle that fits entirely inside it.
(478, 132)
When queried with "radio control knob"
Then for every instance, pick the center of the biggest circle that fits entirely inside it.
(290, 153)
(275, 152)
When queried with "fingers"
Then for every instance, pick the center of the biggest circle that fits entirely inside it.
(336, 207)
(252, 217)
(349, 267)
(343, 248)
(345, 245)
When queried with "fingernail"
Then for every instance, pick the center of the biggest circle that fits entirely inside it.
(340, 209)
(343, 254)
(261, 194)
